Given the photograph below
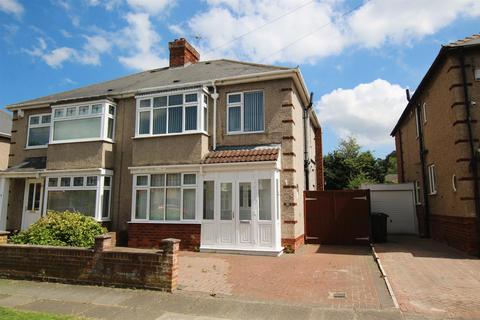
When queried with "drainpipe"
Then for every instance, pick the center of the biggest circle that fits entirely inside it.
(422, 153)
(215, 97)
(306, 156)
(473, 153)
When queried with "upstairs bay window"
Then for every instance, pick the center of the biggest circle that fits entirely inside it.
(165, 197)
(171, 114)
(38, 131)
(89, 195)
(245, 112)
(84, 122)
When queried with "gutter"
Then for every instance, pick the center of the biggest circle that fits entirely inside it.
(473, 153)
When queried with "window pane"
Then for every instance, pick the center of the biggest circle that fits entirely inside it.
(145, 103)
(253, 111)
(83, 110)
(31, 193)
(36, 202)
(142, 180)
(46, 119)
(141, 204)
(106, 203)
(35, 120)
(173, 204)
(59, 113)
(175, 120)
(97, 108)
(159, 102)
(111, 110)
(157, 180)
(205, 119)
(144, 123)
(174, 179)
(65, 182)
(189, 204)
(245, 201)
(192, 97)
(175, 100)
(234, 118)
(82, 201)
(208, 200)
(264, 198)
(78, 181)
(157, 204)
(205, 99)
(191, 118)
(77, 129)
(160, 121)
(190, 178)
(91, 181)
(107, 181)
(226, 201)
(38, 136)
(234, 98)
(52, 182)
(71, 112)
(110, 128)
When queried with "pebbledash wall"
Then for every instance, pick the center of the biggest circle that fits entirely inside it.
(452, 209)
(102, 265)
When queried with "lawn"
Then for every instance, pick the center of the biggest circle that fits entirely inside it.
(11, 314)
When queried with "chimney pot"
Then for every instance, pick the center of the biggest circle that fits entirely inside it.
(182, 53)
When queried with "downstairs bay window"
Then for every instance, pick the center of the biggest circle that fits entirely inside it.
(83, 122)
(89, 195)
(165, 197)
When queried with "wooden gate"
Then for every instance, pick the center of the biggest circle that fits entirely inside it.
(337, 217)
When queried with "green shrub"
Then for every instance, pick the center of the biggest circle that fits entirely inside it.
(61, 229)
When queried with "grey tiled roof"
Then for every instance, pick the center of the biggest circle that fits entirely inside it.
(199, 72)
(5, 123)
(30, 164)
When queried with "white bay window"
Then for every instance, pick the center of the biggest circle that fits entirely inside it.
(87, 194)
(83, 122)
(175, 113)
(165, 197)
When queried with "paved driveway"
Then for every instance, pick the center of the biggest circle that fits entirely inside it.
(430, 278)
(330, 276)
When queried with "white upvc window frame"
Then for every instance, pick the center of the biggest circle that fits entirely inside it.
(432, 180)
(100, 187)
(182, 187)
(39, 125)
(417, 190)
(241, 104)
(201, 104)
(104, 115)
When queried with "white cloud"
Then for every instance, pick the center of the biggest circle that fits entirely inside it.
(143, 43)
(11, 7)
(65, 33)
(58, 56)
(369, 111)
(151, 6)
(305, 33)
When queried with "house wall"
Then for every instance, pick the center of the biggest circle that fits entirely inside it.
(94, 154)
(4, 152)
(452, 213)
(15, 204)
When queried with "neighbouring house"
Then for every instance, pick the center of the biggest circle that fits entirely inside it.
(5, 128)
(214, 153)
(437, 142)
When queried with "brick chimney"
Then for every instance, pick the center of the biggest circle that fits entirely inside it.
(182, 53)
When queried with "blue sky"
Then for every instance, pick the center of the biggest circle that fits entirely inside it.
(358, 64)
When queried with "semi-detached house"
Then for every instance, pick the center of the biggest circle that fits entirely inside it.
(215, 153)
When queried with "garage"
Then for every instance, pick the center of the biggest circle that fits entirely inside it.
(398, 201)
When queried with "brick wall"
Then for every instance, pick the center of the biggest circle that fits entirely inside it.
(102, 265)
(294, 244)
(149, 235)
(458, 232)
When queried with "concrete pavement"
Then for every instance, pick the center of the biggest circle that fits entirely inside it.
(115, 303)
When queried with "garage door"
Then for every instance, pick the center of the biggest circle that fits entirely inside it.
(398, 202)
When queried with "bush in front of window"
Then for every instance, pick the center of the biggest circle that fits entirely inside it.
(67, 229)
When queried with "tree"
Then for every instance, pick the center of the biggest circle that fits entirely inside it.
(348, 167)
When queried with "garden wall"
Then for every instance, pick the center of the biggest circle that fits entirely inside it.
(103, 265)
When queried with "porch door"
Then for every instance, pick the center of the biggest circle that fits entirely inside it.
(245, 215)
(227, 212)
(33, 199)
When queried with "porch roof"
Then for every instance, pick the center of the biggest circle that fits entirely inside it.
(242, 155)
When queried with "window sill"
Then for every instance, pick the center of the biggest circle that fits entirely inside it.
(81, 140)
(171, 135)
(164, 222)
(242, 133)
(36, 148)
(433, 193)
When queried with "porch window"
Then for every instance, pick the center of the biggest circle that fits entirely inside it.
(38, 131)
(208, 200)
(89, 195)
(84, 122)
(171, 114)
(245, 112)
(264, 199)
(165, 197)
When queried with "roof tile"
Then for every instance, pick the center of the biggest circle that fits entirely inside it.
(234, 156)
